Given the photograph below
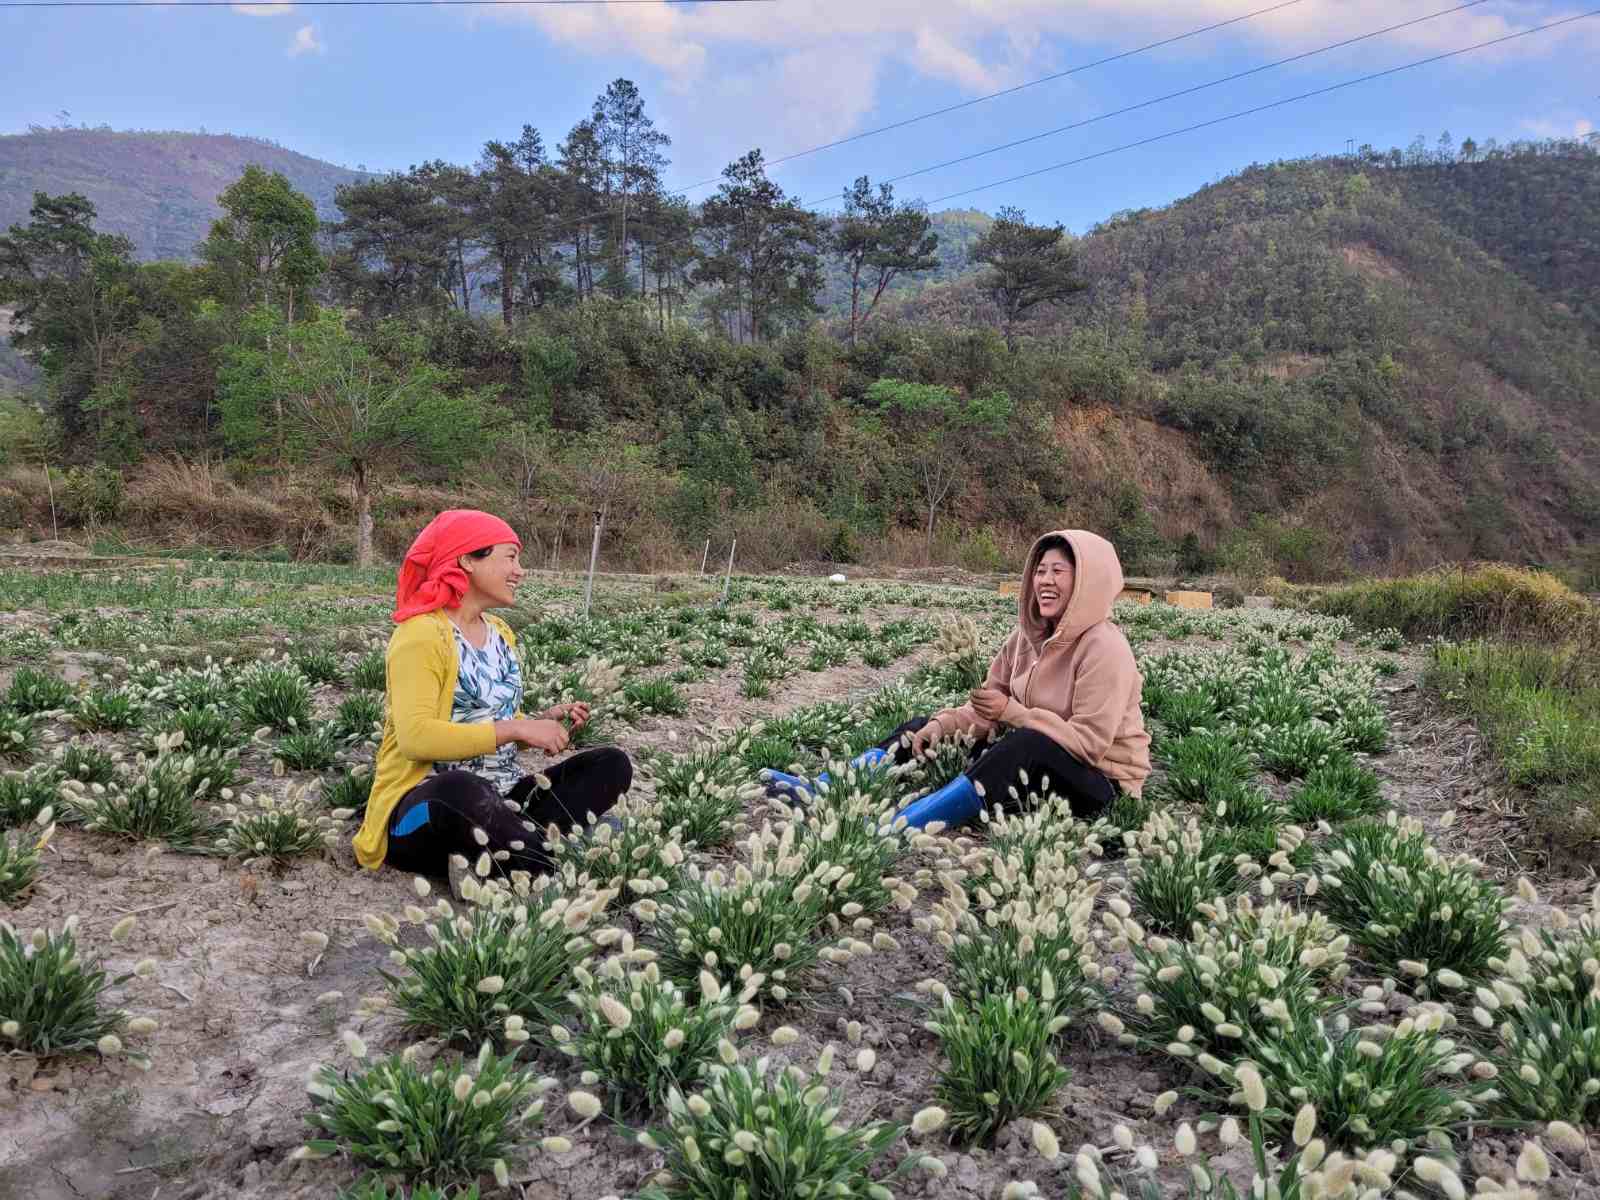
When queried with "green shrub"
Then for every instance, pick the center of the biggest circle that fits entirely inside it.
(656, 696)
(35, 691)
(109, 709)
(438, 1124)
(309, 749)
(360, 717)
(1339, 790)
(643, 1035)
(1491, 600)
(1410, 910)
(92, 495)
(998, 1063)
(1202, 762)
(348, 789)
(754, 1131)
(702, 794)
(51, 995)
(274, 695)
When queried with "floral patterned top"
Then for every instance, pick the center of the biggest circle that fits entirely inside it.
(488, 688)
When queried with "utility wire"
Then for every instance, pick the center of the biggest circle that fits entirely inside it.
(1013, 90)
(1172, 133)
(348, 3)
(1261, 108)
(1188, 91)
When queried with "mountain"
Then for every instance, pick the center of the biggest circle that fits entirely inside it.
(1411, 351)
(157, 189)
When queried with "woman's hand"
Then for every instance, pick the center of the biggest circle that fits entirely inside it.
(576, 714)
(922, 741)
(988, 702)
(541, 734)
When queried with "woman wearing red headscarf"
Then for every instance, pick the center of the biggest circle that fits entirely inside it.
(448, 790)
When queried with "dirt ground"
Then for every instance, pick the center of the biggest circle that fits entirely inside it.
(245, 1011)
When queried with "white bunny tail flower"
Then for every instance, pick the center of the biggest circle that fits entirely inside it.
(354, 1045)
(585, 1104)
(1045, 1142)
(928, 1120)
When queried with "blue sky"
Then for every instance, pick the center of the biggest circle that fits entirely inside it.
(389, 87)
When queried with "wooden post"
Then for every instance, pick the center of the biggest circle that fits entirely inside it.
(705, 557)
(594, 557)
(727, 580)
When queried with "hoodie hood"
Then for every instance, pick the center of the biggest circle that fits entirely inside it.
(1096, 584)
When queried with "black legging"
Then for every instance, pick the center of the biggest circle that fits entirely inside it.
(444, 813)
(995, 765)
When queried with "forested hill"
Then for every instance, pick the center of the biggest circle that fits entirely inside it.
(1430, 325)
(159, 190)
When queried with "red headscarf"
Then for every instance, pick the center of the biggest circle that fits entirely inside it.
(430, 577)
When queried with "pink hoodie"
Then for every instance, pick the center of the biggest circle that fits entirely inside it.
(1077, 684)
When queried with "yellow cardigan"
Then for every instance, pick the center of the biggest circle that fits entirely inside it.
(417, 729)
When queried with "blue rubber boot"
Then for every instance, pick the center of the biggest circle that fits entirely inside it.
(782, 781)
(955, 804)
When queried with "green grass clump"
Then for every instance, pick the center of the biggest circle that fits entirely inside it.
(1410, 910)
(309, 749)
(1341, 789)
(19, 863)
(370, 672)
(757, 1131)
(702, 794)
(274, 828)
(25, 794)
(50, 995)
(657, 696)
(1491, 600)
(1176, 871)
(348, 789)
(760, 924)
(19, 735)
(443, 1123)
(1544, 1008)
(360, 716)
(1203, 762)
(156, 801)
(507, 955)
(998, 1063)
(35, 691)
(375, 1187)
(1370, 1087)
(274, 695)
(209, 727)
(109, 709)
(1294, 751)
(319, 664)
(84, 762)
(643, 1035)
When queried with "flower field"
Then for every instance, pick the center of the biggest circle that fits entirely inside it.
(1288, 970)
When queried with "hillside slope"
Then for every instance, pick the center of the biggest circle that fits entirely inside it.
(1406, 353)
(157, 189)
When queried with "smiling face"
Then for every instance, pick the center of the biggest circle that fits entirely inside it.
(1052, 584)
(495, 576)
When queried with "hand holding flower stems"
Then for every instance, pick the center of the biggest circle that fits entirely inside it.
(988, 702)
(574, 715)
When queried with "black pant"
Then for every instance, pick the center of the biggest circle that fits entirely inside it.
(446, 812)
(994, 767)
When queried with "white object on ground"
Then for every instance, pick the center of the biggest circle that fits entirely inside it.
(837, 579)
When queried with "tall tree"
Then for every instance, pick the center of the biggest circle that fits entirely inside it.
(583, 178)
(345, 408)
(1029, 265)
(263, 249)
(75, 313)
(454, 189)
(668, 251)
(512, 207)
(394, 250)
(878, 242)
(631, 153)
(763, 252)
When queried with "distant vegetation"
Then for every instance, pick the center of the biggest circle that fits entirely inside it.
(1382, 360)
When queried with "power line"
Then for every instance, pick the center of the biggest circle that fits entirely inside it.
(573, 222)
(348, 3)
(1013, 90)
(1261, 108)
(1188, 91)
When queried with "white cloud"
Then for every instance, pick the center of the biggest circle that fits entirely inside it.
(306, 42)
(262, 10)
(819, 60)
(1559, 127)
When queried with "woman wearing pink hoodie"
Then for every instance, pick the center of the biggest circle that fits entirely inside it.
(1061, 699)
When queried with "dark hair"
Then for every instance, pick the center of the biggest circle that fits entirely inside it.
(1056, 542)
(484, 553)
